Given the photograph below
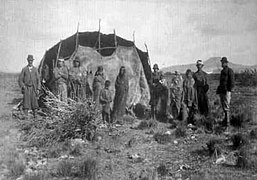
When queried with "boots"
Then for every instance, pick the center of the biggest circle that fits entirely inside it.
(229, 129)
(227, 116)
(226, 120)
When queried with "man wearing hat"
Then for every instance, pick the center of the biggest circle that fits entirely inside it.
(29, 81)
(224, 89)
(75, 79)
(202, 87)
(156, 88)
(60, 74)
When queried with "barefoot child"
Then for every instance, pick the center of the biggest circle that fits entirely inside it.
(105, 99)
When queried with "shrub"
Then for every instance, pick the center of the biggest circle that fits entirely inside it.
(146, 124)
(162, 138)
(239, 140)
(180, 131)
(247, 77)
(41, 175)
(214, 146)
(162, 170)
(243, 158)
(139, 111)
(17, 168)
(64, 121)
(64, 168)
(88, 169)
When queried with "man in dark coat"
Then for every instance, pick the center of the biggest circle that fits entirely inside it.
(29, 81)
(202, 87)
(225, 88)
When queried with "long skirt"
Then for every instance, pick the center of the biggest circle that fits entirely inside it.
(30, 98)
(62, 92)
(97, 89)
(119, 106)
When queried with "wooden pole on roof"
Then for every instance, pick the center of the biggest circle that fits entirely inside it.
(99, 36)
(41, 65)
(115, 39)
(149, 62)
(58, 52)
(134, 37)
(77, 38)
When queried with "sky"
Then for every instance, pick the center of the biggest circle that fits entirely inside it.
(175, 31)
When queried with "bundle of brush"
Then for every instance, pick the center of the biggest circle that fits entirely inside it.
(237, 120)
(214, 146)
(80, 117)
(63, 121)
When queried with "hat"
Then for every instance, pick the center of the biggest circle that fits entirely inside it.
(155, 66)
(224, 59)
(61, 60)
(199, 62)
(30, 57)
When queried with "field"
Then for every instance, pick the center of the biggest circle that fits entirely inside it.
(137, 150)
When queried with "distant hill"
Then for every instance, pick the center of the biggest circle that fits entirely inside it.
(212, 65)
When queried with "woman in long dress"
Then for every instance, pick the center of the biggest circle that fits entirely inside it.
(121, 94)
(98, 84)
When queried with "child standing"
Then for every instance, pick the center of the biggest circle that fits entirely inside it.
(105, 99)
(189, 96)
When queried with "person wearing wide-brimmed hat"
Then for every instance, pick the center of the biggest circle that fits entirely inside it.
(156, 89)
(60, 74)
(202, 87)
(29, 81)
(225, 88)
(75, 80)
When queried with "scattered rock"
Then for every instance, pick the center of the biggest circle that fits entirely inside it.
(221, 160)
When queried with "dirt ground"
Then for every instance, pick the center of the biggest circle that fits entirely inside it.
(128, 153)
(9, 141)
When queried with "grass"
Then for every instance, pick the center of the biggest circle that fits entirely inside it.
(162, 138)
(64, 168)
(165, 159)
(147, 124)
(83, 167)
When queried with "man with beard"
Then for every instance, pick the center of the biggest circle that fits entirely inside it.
(224, 89)
(29, 81)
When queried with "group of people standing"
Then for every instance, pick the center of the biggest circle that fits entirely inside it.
(72, 83)
(75, 80)
(189, 96)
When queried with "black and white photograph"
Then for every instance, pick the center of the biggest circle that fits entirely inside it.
(128, 89)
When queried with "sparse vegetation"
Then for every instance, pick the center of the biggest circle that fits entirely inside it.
(146, 124)
(149, 151)
(65, 121)
(247, 77)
